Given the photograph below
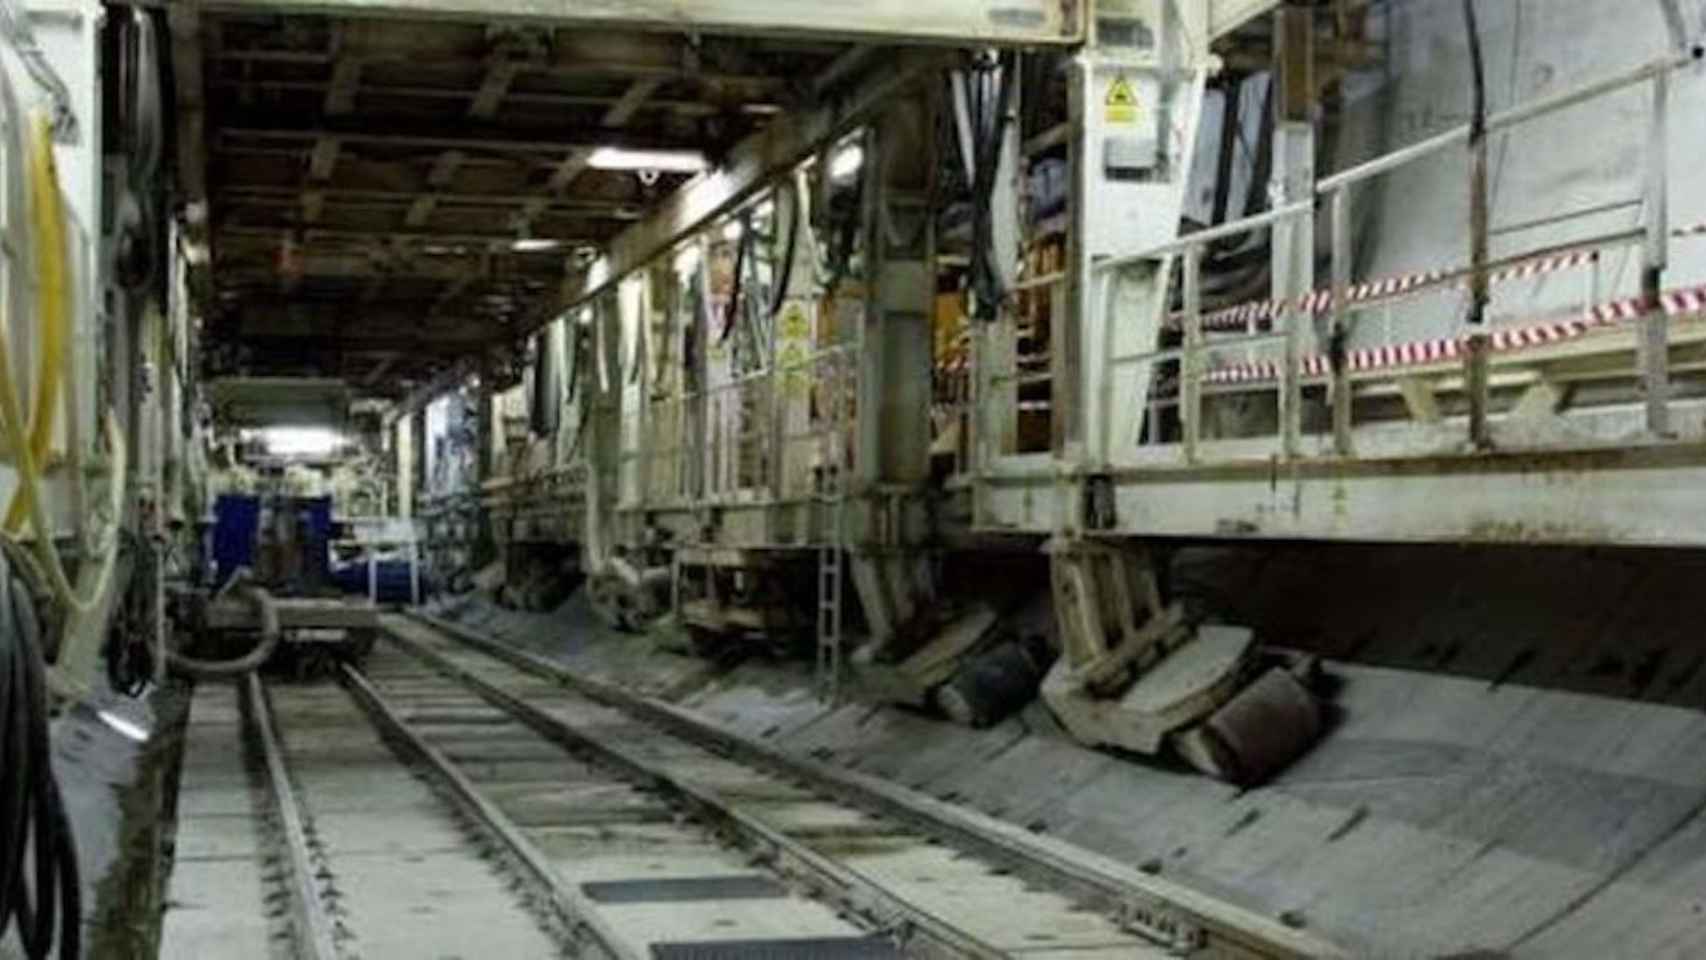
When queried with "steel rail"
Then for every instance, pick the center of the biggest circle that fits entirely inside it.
(573, 907)
(313, 925)
(1171, 913)
(920, 933)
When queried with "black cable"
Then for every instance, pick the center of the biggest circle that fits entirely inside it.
(1478, 69)
(128, 653)
(1478, 179)
(785, 273)
(139, 231)
(844, 236)
(731, 309)
(39, 884)
(991, 130)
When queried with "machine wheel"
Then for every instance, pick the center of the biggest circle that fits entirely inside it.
(993, 684)
(1258, 732)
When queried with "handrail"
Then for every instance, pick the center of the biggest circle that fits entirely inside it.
(1405, 155)
(1228, 229)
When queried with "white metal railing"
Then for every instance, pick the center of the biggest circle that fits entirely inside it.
(766, 437)
(1336, 302)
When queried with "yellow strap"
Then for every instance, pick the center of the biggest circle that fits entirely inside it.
(47, 218)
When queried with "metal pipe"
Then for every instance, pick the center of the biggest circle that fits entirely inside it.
(1174, 353)
(1556, 218)
(1193, 362)
(1475, 353)
(1655, 257)
(1200, 237)
(1339, 328)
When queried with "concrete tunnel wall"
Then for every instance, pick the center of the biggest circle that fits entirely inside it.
(1416, 219)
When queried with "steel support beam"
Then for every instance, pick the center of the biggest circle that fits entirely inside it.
(190, 109)
(956, 22)
(434, 135)
(751, 166)
(376, 234)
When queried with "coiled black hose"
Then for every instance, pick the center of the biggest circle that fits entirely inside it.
(39, 885)
(267, 610)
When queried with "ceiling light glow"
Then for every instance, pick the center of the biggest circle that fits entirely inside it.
(668, 161)
(847, 162)
(535, 245)
(298, 441)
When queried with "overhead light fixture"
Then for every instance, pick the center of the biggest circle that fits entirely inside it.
(299, 441)
(535, 245)
(846, 162)
(668, 161)
(732, 231)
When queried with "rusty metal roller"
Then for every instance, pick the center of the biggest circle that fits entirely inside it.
(1265, 727)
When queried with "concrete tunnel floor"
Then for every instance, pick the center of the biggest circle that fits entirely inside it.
(1517, 766)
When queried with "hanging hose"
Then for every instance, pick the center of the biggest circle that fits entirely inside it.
(731, 309)
(39, 885)
(265, 608)
(137, 229)
(991, 131)
(18, 441)
(785, 275)
(47, 220)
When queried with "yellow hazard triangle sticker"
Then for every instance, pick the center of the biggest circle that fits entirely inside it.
(1121, 102)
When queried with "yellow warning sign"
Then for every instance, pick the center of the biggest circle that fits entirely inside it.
(793, 360)
(1121, 102)
(795, 324)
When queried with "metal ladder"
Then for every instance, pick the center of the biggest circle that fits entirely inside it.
(832, 492)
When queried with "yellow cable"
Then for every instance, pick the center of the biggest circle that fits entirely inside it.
(28, 499)
(47, 218)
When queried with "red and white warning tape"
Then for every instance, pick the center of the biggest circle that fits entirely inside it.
(1240, 317)
(1677, 303)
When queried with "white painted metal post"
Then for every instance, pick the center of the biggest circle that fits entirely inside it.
(1193, 363)
(1340, 319)
(1655, 257)
(1293, 248)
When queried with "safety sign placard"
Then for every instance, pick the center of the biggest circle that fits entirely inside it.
(1121, 102)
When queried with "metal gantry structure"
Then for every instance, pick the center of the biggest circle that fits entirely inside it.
(712, 444)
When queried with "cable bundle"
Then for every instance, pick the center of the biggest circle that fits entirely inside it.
(38, 856)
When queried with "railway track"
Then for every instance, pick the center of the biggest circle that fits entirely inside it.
(915, 876)
(453, 798)
(302, 834)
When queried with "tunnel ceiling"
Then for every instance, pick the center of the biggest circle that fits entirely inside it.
(367, 181)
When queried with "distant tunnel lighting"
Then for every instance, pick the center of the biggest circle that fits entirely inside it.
(687, 261)
(535, 245)
(300, 441)
(669, 161)
(847, 162)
